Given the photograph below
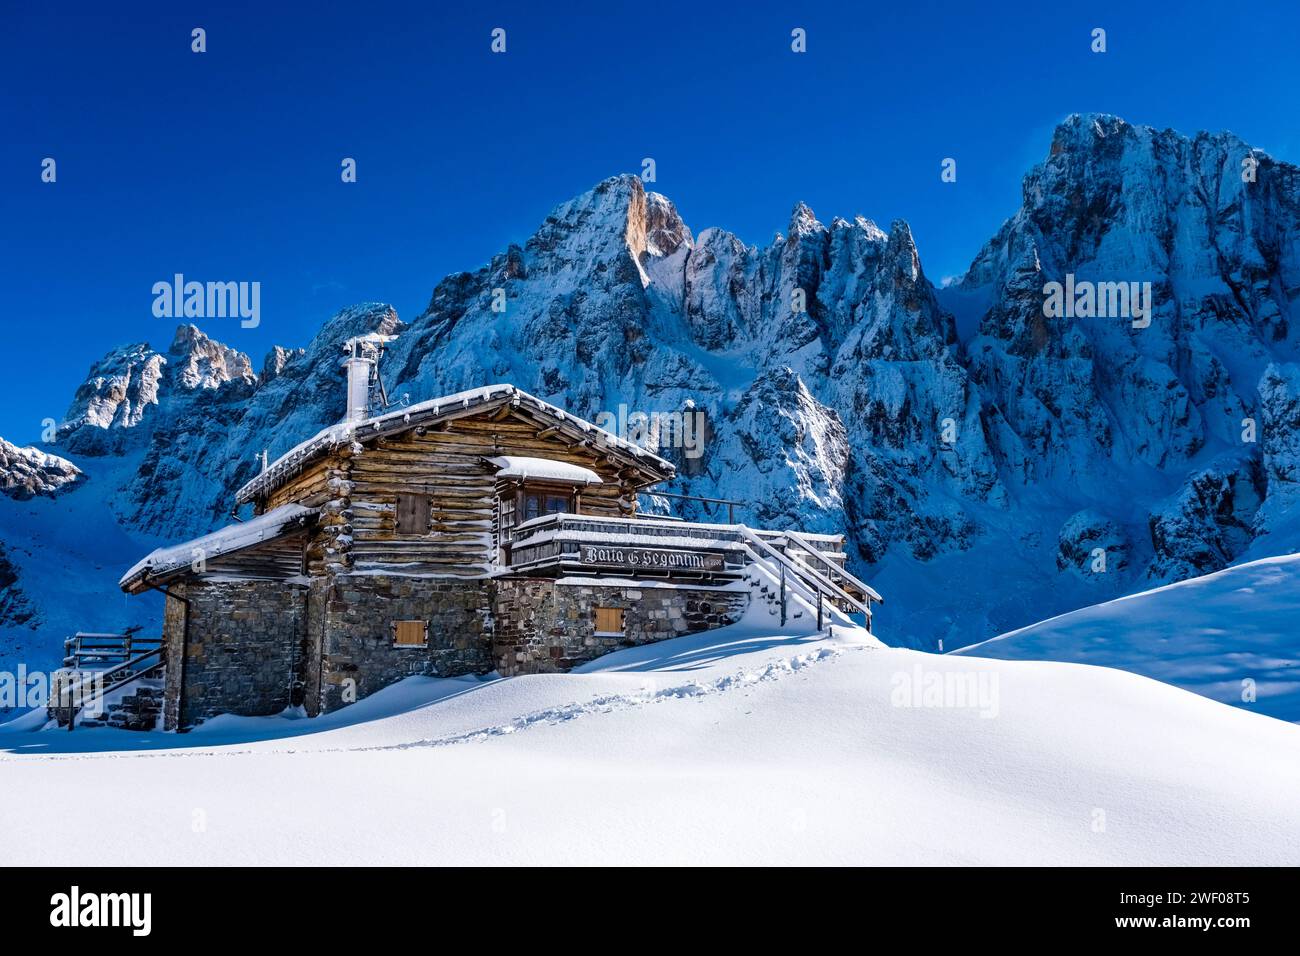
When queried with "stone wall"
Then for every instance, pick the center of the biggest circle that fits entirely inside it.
(242, 654)
(317, 600)
(544, 626)
(359, 655)
(256, 647)
(173, 634)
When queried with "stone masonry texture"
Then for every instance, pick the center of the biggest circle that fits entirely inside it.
(241, 654)
(257, 647)
(544, 626)
(359, 655)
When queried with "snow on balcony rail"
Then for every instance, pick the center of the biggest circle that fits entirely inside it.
(669, 524)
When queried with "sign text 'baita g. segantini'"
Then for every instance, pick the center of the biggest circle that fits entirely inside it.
(651, 558)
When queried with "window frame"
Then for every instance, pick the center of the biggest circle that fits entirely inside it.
(407, 644)
(426, 510)
(622, 621)
(511, 499)
(544, 491)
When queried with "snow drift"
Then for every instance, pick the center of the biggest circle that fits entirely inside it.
(1231, 636)
(738, 746)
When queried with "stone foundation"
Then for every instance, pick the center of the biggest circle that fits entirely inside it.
(358, 656)
(241, 651)
(256, 647)
(543, 625)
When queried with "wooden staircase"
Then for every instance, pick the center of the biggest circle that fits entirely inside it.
(98, 666)
(794, 577)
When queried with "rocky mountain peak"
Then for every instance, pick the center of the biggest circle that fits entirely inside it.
(802, 223)
(276, 361)
(117, 390)
(197, 361)
(665, 232)
(28, 472)
(901, 251)
(601, 222)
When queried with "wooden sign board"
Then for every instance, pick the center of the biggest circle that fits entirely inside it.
(650, 559)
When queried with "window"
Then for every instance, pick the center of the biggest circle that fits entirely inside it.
(505, 524)
(411, 633)
(609, 620)
(413, 514)
(537, 503)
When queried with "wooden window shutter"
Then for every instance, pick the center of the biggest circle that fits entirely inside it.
(410, 633)
(413, 514)
(609, 620)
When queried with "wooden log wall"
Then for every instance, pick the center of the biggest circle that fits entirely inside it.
(279, 558)
(308, 488)
(357, 490)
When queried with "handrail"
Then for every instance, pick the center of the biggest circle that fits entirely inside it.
(810, 575)
(138, 675)
(74, 708)
(799, 588)
(829, 587)
(103, 675)
(99, 646)
(808, 546)
(653, 521)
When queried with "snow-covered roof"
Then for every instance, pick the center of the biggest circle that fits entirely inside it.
(233, 537)
(515, 466)
(449, 406)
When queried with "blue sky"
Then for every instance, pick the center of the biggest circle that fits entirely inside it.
(225, 165)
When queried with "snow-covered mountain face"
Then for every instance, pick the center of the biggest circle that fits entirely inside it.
(28, 472)
(1182, 434)
(823, 363)
(990, 465)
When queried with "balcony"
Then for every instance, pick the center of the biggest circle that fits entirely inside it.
(568, 544)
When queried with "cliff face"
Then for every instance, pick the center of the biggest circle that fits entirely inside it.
(1170, 428)
(985, 478)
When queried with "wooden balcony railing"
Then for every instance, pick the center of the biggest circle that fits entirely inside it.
(564, 543)
(88, 650)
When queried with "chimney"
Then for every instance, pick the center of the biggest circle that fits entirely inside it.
(362, 360)
(358, 386)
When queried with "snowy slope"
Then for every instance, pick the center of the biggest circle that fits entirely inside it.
(729, 747)
(1206, 635)
(68, 549)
